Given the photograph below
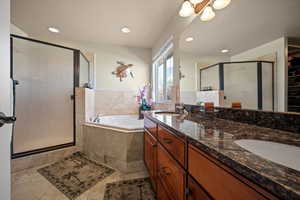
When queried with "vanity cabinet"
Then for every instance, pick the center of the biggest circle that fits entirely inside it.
(151, 127)
(180, 171)
(170, 174)
(150, 156)
(161, 193)
(172, 143)
(195, 191)
(219, 183)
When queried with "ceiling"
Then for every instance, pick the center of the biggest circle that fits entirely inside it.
(97, 21)
(243, 25)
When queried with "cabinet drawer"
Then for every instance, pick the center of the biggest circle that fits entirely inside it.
(171, 175)
(219, 183)
(196, 192)
(172, 143)
(150, 126)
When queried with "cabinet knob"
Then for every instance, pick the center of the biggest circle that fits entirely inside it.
(167, 140)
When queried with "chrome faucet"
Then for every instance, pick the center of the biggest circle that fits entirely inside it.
(97, 118)
(181, 109)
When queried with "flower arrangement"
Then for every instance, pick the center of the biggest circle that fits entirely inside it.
(143, 100)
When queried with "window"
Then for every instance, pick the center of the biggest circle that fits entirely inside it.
(163, 78)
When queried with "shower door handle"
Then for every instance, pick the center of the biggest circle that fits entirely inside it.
(6, 120)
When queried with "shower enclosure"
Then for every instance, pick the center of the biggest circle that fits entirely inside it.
(248, 82)
(44, 79)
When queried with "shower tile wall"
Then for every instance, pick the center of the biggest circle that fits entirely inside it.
(85, 109)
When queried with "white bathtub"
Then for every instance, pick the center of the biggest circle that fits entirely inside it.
(123, 122)
(116, 140)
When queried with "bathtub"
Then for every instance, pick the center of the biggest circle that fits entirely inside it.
(116, 140)
(121, 122)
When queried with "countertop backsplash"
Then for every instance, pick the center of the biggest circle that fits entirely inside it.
(275, 120)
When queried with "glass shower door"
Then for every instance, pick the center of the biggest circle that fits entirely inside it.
(44, 104)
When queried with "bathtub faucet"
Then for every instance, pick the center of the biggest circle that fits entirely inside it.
(97, 118)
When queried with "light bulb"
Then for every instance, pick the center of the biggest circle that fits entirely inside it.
(53, 30)
(220, 4)
(195, 2)
(225, 50)
(125, 29)
(186, 9)
(189, 39)
(208, 14)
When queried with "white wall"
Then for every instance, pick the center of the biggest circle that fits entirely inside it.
(106, 57)
(190, 66)
(5, 100)
(173, 30)
(279, 47)
(113, 96)
(17, 31)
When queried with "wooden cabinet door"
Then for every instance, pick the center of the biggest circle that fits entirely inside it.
(172, 143)
(171, 175)
(220, 184)
(150, 156)
(195, 191)
(161, 193)
(150, 126)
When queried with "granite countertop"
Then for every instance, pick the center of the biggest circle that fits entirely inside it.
(216, 137)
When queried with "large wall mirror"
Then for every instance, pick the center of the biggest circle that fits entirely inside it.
(244, 60)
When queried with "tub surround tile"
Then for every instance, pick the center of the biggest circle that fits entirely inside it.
(84, 111)
(216, 137)
(109, 102)
(123, 151)
(89, 104)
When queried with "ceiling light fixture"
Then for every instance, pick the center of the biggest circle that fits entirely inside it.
(189, 39)
(220, 4)
(208, 14)
(225, 51)
(187, 9)
(195, 2)
(203, 7)
(53, 30)
(125, 30)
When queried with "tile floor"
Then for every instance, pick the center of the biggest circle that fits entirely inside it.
(30, 185)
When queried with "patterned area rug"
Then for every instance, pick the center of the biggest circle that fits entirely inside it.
(135, 189)
(75, 174)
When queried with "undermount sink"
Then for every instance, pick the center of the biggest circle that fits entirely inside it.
(283, 154)
(167, 113)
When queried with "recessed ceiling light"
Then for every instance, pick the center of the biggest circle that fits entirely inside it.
(125, 30)
(189, 39)
(225, 51)
(53, 30)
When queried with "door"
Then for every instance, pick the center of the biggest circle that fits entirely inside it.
(5, 99)
(44, 103)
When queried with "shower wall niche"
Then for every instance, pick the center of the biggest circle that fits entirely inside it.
(45, 76)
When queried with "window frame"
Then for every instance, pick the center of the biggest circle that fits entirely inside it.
(162, 60)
